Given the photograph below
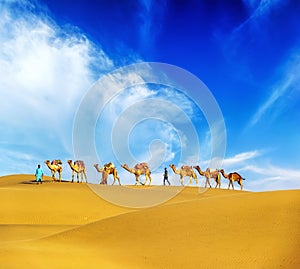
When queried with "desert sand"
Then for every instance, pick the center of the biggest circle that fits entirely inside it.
(65, 225)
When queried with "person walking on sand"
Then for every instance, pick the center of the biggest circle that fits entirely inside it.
(166, 177)
(39, 174)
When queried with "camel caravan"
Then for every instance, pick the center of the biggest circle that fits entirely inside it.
(78, 168)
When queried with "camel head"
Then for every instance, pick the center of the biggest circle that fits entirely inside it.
(69, 161)
(124, 165)
(95, 165)
(47, 161)
(172, 165)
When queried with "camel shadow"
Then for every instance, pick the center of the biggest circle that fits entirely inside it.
(44, 181)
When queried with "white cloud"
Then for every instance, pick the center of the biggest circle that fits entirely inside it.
(274, 171)
(241, 157)
(237, 160)
(270, 177)
(44, 72)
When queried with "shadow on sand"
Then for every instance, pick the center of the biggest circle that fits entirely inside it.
(44, 181)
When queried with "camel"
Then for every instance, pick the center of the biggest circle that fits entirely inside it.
(107, 169)
(79, 168)
(233, 177)
(185, 171)
(138, 170)
(210, 174)
(54, 168)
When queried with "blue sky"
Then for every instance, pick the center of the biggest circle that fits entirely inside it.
(246, 52)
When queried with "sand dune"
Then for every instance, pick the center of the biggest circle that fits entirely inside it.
(64, 225)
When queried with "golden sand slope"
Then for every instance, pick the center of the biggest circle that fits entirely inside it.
(64, 225)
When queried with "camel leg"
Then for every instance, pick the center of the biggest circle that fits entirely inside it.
(232, 185)
(181, 181)
(196, 181)
(146, 179)
(53, 175)
(190, 181)
(150, 180)
(137, 180)
(103, 178)
(241, 184)
(72, 176)
(116, 176)
(77, 177)
(207, 181)
(84, 172)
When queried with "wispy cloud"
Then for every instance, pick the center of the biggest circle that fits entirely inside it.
(258, 10)
(237, 160)
(151, 16)
(44, 71)
(274, 171)
(247, 29)
(241, 158)
(289, 82)
(270, 177)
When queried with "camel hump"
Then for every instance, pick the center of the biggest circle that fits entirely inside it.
(141, 166)
(214, 171)
(79, 163)
(58, 161)
(186, 167)
(109, 165)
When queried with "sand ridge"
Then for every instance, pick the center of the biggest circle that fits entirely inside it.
(72, 227)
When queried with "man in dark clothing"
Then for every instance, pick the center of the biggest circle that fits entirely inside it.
(166, 177)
